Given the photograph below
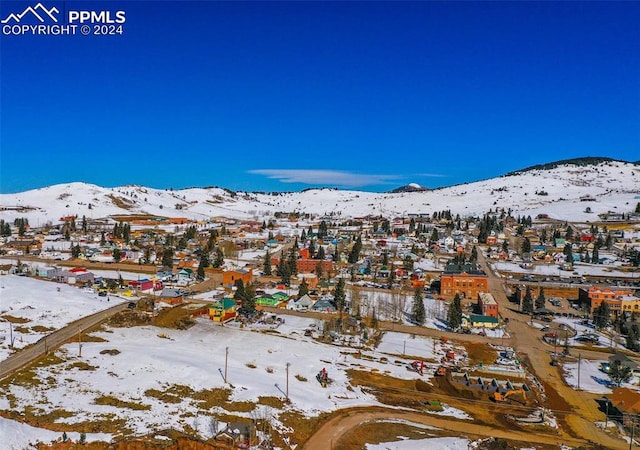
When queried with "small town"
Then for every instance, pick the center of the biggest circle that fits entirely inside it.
(528, 324)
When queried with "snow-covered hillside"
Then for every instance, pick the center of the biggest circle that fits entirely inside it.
(559, 192)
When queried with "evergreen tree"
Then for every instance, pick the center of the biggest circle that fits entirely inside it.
(434, 235)
(167, 257)
(266, 267)
(505, 246)
(284, 272)
(312, 249)
(103, 240)
(526, 246)
(454, 314)
(322, 230)
(619, 373)
(117, 254)
(84, 224)
(320, 254)
(527, 302)
(633, 336)
(339, 296)
(354, 254)
(303, 289)
(204, 263)
(568, 253)
(292, 262)
(540, 300)
(602, 315)
(248, 299)
(595, 256)
(75, 251)
(219, 260)
(67, 235)
(637, 210)
(474, 254)
(608, 241)
(239, 294)
(417, 311)
(303, 236)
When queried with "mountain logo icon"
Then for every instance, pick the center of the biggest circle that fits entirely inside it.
(38, 11)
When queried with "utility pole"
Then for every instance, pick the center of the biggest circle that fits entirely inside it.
(287, 387)
(579, 364)
(226, 359)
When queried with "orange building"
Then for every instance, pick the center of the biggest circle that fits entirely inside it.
(618, 300)
(487, 304)
(231, 277)
(306, 265)
(465, 280)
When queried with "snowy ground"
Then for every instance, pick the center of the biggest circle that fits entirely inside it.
(443, 443)
(591, 378)
(20, 436)
(40, 304)
(158, 358)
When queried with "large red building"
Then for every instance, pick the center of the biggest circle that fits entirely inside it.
(463, 279)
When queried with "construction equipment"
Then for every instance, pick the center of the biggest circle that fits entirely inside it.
(497, 396)
(441, 371)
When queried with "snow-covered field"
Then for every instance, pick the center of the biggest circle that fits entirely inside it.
(20, 436)
(554, 270)
(150, 358)
(43, 305)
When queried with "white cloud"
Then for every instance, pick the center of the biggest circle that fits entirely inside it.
(325, 177)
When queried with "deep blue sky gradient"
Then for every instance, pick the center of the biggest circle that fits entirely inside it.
(202, 93)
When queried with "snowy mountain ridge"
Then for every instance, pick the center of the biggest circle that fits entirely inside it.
(565, 191)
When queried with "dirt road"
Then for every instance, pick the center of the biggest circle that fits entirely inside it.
(526, 341)
(43, 346)
(330, 433)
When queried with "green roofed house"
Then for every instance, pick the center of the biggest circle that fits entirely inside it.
(280, 296)
(267, 300)
(478, 321)
(223, 310)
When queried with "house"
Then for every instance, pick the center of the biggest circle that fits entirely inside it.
(164, 273)
(236, 435)
(185, 276)
(223, 310)
(171, 296)
(5, 269)
(487, 304)
(303, 303)
(624, 402)
(230, 277)
(323, 305)
(267, 300)
(479, 321)
(47, 272)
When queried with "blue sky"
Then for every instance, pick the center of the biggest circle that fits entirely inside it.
(282, 96)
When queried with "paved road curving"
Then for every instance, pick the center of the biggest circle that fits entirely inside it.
(28, 354)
